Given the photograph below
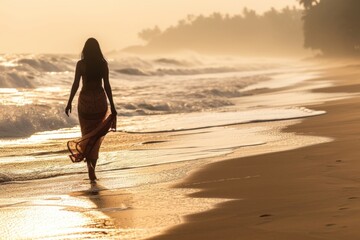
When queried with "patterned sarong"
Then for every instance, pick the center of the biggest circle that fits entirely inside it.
(95, 122)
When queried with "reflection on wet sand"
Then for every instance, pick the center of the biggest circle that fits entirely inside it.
(114, 204)
(143, 211)
(55, 217)
(110, 202)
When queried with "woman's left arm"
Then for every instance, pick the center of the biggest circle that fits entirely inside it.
(74, 88)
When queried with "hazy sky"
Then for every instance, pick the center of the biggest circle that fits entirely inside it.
(62, 26)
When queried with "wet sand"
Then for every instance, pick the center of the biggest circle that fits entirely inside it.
(262, 192)
(148, 210)
(300, 185)
(306, 193)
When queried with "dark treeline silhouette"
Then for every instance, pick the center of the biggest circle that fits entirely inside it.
(332, 26)
(271, 33)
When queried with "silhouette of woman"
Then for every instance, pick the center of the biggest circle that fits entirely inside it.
(94, 116)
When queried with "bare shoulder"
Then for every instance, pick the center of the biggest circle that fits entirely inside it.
(80, 65)
(105, 67)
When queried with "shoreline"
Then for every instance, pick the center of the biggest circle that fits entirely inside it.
(306, 193)
(171, 198)
(152, 201)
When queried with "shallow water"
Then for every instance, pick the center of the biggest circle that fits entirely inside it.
(171, 96)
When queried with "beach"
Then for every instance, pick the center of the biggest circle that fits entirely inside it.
(306, 193)
(279, 162)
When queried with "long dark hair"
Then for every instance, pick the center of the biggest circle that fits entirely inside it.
(94, 59)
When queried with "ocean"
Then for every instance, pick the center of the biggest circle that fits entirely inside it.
(152, 95)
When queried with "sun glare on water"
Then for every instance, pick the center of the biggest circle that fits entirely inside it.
(55, 218)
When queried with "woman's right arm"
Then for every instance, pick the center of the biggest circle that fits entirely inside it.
(74, 88)
(108, 90)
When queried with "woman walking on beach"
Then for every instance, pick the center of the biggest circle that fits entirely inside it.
(94, 116)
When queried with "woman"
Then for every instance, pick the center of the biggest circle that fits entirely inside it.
(94, 116)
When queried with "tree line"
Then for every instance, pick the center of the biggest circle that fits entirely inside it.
(275, 32)
(332, 26)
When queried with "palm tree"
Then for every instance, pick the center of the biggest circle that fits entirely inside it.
(308, 3)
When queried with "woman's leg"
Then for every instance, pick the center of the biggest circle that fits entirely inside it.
(91, 165)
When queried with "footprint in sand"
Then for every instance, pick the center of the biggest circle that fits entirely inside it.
(152, 142)
(330, 224)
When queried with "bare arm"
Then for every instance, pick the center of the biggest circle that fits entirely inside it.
(108, 90)
(74, 88)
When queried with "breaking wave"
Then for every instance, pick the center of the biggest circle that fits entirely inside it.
(34, 88)
(175, 71)
(23, 121)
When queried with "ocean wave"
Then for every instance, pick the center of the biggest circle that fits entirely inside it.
(37, 63)
(162, 107)
(181, 96)
(173, 61)
(195, 71)
(156, 86)
(24, 71)
(176, 71)
(15, 79)
(41, 65)
(184, 66)
(23, 121)
(131, 71)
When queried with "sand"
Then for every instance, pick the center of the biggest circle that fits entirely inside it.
(310, 192)
(307, 193)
